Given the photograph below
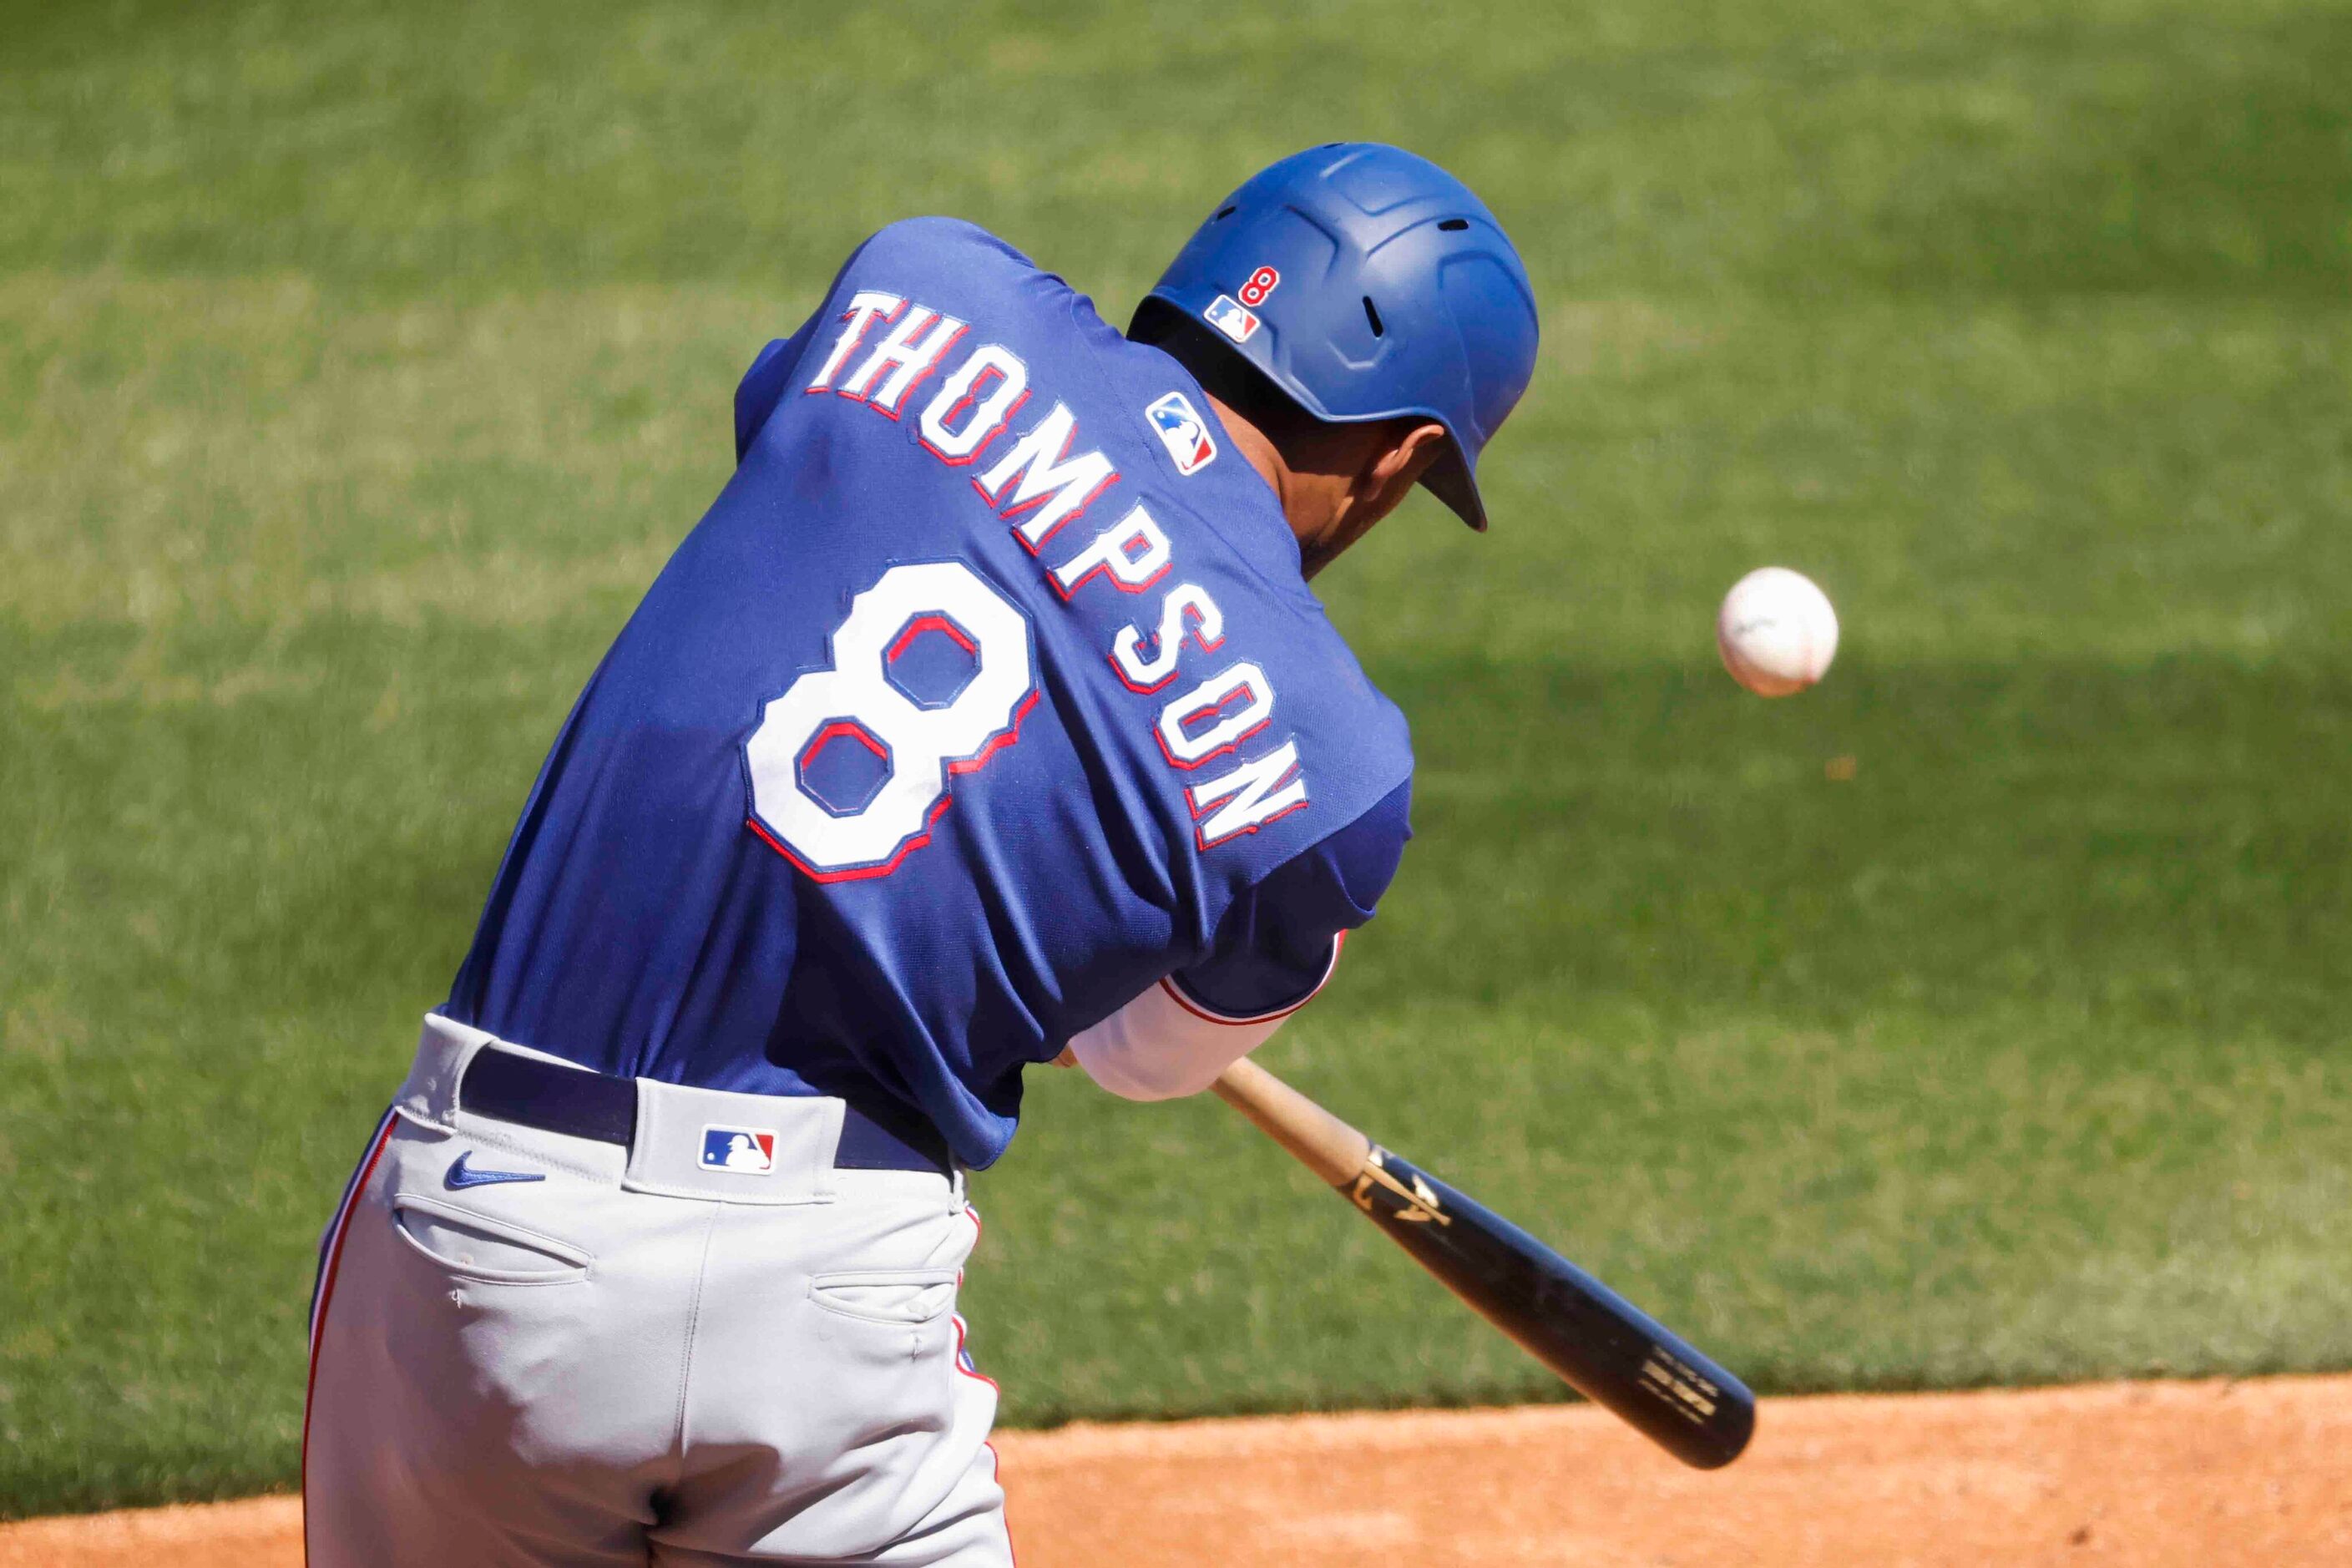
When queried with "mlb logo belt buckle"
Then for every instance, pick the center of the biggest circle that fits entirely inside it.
(742, 1150)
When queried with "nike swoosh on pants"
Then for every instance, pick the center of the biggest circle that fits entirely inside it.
(461, 1174)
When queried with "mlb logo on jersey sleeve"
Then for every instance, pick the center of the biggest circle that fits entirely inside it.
(746, 1150)
(1184, 432)
(1231, 317)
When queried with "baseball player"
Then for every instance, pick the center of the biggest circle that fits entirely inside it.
(986, 719)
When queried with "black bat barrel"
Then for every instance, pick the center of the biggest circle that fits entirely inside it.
(1609, 1349)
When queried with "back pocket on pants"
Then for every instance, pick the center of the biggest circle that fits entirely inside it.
(900, 1296)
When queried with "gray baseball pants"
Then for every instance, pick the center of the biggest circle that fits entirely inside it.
(529, 1348)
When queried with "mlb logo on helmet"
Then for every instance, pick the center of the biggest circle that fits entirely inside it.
(1230, 317)
(746, 1150)
(1184, 432)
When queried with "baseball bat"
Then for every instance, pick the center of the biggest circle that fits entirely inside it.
(1607, 1349)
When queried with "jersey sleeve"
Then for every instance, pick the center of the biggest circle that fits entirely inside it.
(1279, 940)
(1274, 950)
(763, 387)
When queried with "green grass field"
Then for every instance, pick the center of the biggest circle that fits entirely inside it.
(359, 365)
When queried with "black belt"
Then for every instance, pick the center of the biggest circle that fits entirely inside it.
(583, 1104)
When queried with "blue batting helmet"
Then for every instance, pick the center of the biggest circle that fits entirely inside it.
(1368, 283)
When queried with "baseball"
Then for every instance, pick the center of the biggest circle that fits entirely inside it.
(1776, 631)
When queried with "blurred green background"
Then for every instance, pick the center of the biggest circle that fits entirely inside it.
(359, 365)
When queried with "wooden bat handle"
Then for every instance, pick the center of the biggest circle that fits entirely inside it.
(1323, 1143)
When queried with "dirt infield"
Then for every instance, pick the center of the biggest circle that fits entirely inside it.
(2202, 1473)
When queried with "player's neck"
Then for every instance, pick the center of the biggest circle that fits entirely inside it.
(1255, 448)
(1289, 493)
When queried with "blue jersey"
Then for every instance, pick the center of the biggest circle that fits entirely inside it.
(987, 695)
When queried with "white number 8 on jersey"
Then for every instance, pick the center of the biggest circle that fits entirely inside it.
(857, 701)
